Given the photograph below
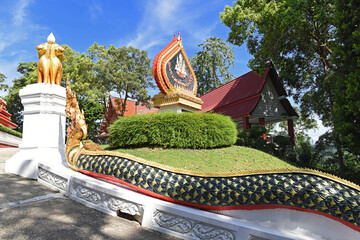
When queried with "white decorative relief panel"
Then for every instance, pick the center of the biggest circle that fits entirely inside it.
(104, 201)
(52, 179)
(189, 227)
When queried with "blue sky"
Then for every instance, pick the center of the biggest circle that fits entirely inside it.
(147, 25)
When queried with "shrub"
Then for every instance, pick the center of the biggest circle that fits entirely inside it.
(282, 143)
(173, 130)
(10, 131)
(252, 137)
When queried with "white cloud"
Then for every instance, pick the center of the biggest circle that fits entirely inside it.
(18, 27)
(19, 12)
(18, 30)
(165, 9)
(12, 36)
(163, 18)
(7, 68)
(157, 20)
(95, 10)
(204, 32)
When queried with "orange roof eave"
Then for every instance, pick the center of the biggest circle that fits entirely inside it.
(7, 123)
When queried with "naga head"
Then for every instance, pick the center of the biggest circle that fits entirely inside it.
(77, 129)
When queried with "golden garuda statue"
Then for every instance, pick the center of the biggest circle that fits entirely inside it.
(50, 57)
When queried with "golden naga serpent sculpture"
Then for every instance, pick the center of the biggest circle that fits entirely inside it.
(298, 189)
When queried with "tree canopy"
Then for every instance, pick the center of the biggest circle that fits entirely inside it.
(124, 70)
(211, 64)
(298, 37)
(347, 60)
(89, 92)
(294, 34)
(2, 79)
(92, 76)
(13, 101)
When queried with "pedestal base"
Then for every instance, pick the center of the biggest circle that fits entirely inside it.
(177, 102)
(43, 131)
(25, 163)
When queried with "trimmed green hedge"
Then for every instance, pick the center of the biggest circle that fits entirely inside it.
(173, 130)
(10, 131)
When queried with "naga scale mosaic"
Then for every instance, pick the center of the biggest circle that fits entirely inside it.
(299, 189)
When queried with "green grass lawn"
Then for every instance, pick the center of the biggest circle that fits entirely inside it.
(229, 159)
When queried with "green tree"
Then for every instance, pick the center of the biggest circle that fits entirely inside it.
(92, 76)
(90, 94)
(79, 68)
(303, 151)
(301, 125)
(94, 113)
(325, 158)
(296, 35)
(211, 64)
(347, 59)
(2, 79)
(13, 101)
(125, 70)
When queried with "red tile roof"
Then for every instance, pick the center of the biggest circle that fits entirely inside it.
(113, 111)
(130, 106)
(243, 108)
(142, 109)
(236, 90)
(240, 96)
(5, 116)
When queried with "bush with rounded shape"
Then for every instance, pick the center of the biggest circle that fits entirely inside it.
(173, 130)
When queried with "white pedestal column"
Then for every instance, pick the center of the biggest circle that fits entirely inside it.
(43, 130)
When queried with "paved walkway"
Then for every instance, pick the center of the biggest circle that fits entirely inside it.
(29, 210)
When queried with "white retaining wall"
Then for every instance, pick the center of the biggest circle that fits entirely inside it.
(9, 139)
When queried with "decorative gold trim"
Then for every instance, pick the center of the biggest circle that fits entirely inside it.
(190, 68)
(224, 174)
(177, 98)
(177, 93)
(164, 58)
(160, 64)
